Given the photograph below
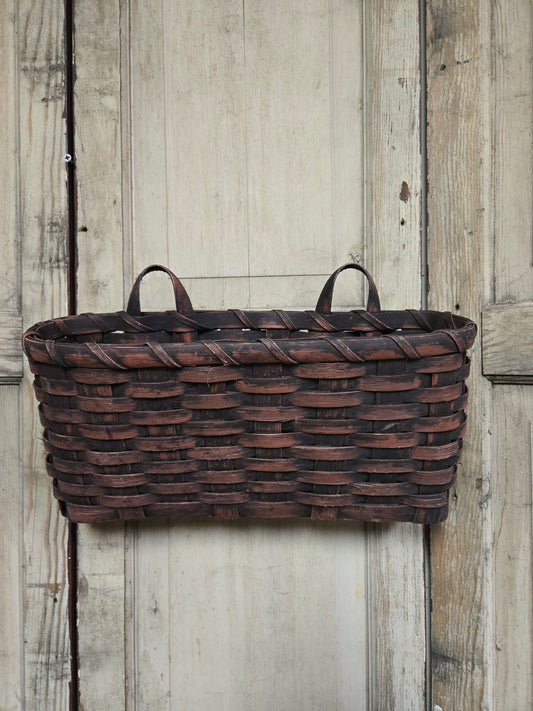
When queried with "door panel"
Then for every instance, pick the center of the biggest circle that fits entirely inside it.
(480, 158)
(34, 650)
(507, 346)
(239, 139)
(513, 547)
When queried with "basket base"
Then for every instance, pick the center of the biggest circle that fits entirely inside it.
(262, 510)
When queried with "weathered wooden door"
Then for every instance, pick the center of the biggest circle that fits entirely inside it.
(230, 144)
(480, 254)
(253, 147)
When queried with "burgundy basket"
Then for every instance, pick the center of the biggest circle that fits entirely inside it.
(353, 415)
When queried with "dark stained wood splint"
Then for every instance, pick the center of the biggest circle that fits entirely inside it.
(272, 414)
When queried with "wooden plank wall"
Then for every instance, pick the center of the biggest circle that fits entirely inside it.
(43, 230)
(512, 284)
(99, 170)
(480, 149)
(239, 125)
(393, 211)
(34, 626)
(253, 147)
(456, 226)
(10, 374)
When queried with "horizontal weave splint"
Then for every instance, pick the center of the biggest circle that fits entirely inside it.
(352, 415)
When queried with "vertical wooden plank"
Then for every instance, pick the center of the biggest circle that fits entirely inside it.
(205, 137)
(254, 622)
(43, 231)
(144, 74)
(9, 267)
(151, 667)
(513, 546)
(347, 131)
(97, 114)
(459, 204)
(392, 144)
(352, 662)
(98, 139)
(304, 99)
(101, 623)
(222, 618)
(512, 277)
(11, 642)
(513, 149)
(289, 136)
(393, 254)
(188, 148)
(241, 614)
(10, 581)
(152, 192)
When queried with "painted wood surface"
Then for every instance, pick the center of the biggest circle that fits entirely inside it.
(512, 112)
(99, 170)
(41, 197)
(505, 324)
(458, 202)
(253, 150)
(11, 674)
(241, 615)
(233, 136)
(10, 353)
(9, 116)
(393, 173)
(10, 316)
(479, 100)
(511, 611)
(513, 547)
(11, 663)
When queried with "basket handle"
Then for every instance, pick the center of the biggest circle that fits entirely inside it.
(323, 305)
(183, 303)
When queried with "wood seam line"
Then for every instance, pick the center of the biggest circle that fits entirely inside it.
(424, 274)
(70, 161)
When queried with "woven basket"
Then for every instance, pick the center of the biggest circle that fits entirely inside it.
(353, 415)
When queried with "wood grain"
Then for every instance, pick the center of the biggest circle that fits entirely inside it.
(508, 341)
(229, 142)
(220, 610)
(11, 641)
(245, 623)
(44, 262)
(459, 212)
(287, 88)
(11, 667)
(203, 64)
(9, 267)
(10, 316)
(10, 353)
(392, 253)
(99, 165)
(512, 108)
(513, 549)
(98, 141)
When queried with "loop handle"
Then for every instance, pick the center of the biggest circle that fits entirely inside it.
(323, 305)
(183, 303)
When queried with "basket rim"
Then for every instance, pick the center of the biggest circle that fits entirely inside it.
(46, 341)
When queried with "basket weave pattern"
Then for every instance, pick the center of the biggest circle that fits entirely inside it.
(354, 415)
